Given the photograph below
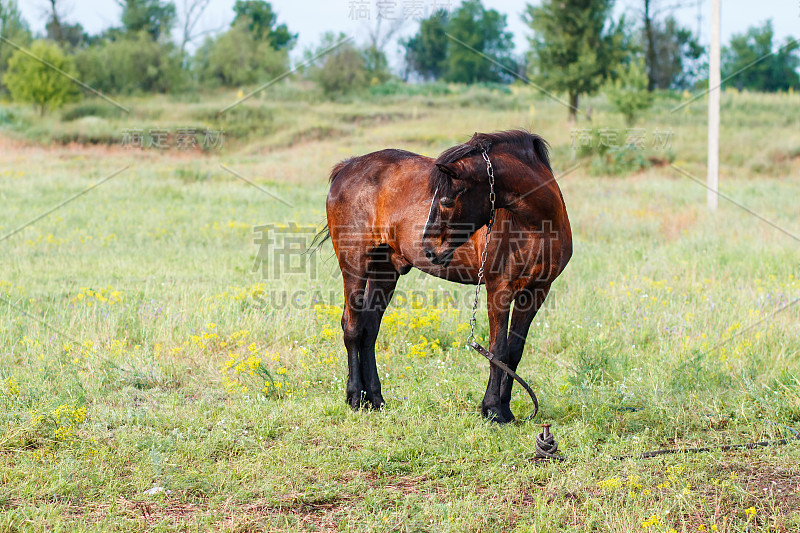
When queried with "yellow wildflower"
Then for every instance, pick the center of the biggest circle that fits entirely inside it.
(611, 483)
(654, 520)
(12, 387)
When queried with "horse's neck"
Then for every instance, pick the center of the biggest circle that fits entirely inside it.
(528, 197)
(507, 221)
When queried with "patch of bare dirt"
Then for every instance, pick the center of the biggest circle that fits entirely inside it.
(152, 513)
(780, 484)
(313, 514)
(676, 225)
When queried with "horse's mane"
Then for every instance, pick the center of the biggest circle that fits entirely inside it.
(528, 147)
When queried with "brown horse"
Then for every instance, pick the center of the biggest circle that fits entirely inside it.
(392, 210)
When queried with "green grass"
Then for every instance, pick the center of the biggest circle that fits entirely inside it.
(140, 349)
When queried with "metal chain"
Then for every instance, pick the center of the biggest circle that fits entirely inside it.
(492, 198)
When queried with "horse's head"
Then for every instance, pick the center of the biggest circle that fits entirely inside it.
(460, 205)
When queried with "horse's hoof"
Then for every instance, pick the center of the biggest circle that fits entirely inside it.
(354, 400)
(500, 415)
(375, 403)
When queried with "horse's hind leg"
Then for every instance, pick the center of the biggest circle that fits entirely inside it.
(369, 283)
(379, 293)
(355, 282)
(526, 304)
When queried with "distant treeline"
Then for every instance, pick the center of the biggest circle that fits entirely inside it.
(575, 47)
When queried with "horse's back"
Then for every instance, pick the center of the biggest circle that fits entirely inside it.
(368, 169)
(360, 184)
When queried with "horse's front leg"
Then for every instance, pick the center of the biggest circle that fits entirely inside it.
(499, 303)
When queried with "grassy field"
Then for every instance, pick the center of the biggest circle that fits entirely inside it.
(157, 373)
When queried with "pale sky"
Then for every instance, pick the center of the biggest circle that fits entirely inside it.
(311, 18)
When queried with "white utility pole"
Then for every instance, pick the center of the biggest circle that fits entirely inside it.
(714, 91)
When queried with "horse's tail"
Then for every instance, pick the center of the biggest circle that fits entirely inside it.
(319, 240)
(337, 170)
(325, 233)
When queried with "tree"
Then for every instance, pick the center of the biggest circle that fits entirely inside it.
(753, 62)
(650, 45)
(379, 34)
(426, 52)
(237, 58)
(30, 80)
(677, 56)
(485, 31)
(376, 65)
(53, 26)
(259, 18)
(574, 45)
(671, 52)
(192, 12)
(137, 57)
(341, 71)
(628, 92)
(13, 28)
(156, 17)
(67, 35)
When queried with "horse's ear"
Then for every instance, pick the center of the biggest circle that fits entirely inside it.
(482, 144)
(449, 169)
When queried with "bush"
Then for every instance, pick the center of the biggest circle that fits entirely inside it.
(242, 121)
(86, 130)
(32, 81)
(6, 116)
(237, 58)
(400, 88)
(628, 92)
(90, 109)
(618, 151)
(131, 64)
(619, 160)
